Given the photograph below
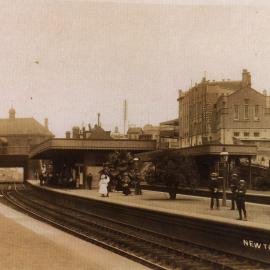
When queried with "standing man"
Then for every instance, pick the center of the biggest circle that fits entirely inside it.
(241, 199)
(89, 178)
(233, 185)
(43, 175)
(214, 190)
(126, 184)
(138, 189)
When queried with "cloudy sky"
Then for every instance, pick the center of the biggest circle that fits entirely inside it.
(69, 60)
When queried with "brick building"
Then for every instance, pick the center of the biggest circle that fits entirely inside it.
(23, 132)
(134, 133)
(17, 137)
(241, 116)
(169, 133)
(150, 132)
(207, 111)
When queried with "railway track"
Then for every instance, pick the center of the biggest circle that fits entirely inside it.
(149, 248)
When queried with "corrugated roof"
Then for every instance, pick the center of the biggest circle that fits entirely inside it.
(22, 126)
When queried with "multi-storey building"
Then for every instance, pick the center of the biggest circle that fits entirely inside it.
(242, 116)
(169, 133)
(201, 119)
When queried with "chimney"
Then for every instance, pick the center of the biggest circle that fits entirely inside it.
(12, 113)
(46, 123)
(67, 134)
(75, 133)
(246, 78)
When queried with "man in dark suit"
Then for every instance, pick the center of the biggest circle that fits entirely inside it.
(241, 199)
(214, 190)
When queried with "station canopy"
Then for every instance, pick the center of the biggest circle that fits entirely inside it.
(59, 147)
(208, 150)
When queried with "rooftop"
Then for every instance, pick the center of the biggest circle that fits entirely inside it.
(22, 126)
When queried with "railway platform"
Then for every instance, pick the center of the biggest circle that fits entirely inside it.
(185, 205)
(29, 244)
(255, 196)
(188, 218)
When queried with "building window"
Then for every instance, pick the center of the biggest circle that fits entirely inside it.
(246, 134)
(256, 112)
(246, 115)
(236, 112)
(256, 134)
(236, 134)
(246, 111)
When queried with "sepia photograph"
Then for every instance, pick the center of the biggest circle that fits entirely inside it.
(135, 135)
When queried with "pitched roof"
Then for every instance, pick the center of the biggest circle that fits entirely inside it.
(233, 85)
(98, 133)
(174, 122)
(246, 89)
(134, 130)
(22, 126)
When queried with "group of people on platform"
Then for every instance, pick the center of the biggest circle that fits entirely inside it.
(238, 193)
(123, 183)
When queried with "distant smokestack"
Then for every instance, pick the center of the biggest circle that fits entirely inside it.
(98, 121)
(125, 115)
(46, 123)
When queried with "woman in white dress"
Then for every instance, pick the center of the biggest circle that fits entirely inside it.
(103, 185)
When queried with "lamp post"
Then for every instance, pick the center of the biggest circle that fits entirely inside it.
(224, 156)
(136, 160)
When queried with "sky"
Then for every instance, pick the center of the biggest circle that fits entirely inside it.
(69, 60)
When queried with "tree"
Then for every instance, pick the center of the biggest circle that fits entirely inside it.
(173, 170)
(118, 163)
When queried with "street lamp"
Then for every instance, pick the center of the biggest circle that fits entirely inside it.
(136, 160)
(224, 156)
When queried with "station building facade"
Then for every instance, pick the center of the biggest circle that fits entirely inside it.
(225, 112)
(241, 116)
(196, 108)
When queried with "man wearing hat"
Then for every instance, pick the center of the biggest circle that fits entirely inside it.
(125, 184)
(214, 190)
(233, 185)
(241, 199)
